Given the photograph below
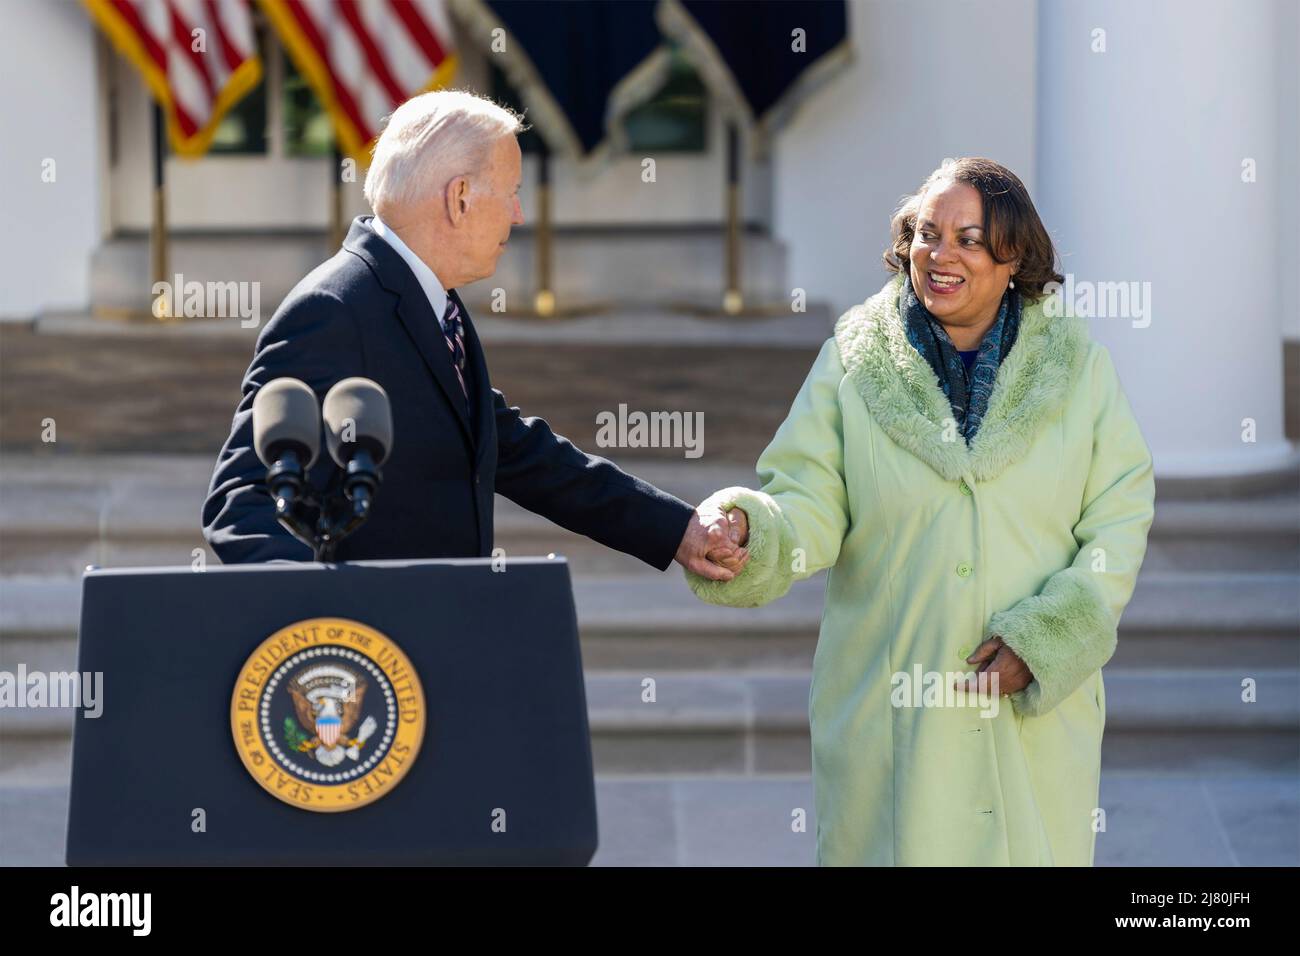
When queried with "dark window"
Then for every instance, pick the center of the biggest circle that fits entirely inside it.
(308, 130)
(672, 121)
(242, 131)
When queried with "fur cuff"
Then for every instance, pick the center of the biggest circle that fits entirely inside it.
(1063, 634)
(768, 574)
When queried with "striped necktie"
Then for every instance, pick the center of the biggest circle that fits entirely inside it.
(453, 329)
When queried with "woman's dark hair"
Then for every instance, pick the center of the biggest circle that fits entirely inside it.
(1011, 225)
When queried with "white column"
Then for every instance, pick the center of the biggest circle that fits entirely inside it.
(49, 165)
(1140, 180)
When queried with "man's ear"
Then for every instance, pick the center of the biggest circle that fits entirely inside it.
(457, 199)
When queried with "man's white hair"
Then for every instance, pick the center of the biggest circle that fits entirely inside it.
(430, 140)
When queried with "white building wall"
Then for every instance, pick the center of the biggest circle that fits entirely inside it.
(930, 79)
(47, 112)
(1288, 172)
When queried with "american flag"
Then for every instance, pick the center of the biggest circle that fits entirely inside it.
(198, 58)
(364, 59)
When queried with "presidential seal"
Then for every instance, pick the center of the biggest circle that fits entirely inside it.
(327, 714)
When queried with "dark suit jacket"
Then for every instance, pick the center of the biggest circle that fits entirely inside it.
(363, 313)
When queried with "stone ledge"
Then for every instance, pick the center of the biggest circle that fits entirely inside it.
(728, 703)
(162, 494)
(651, 601)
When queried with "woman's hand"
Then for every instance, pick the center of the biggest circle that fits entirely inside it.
(739, 523)
(994, 657)
(737, 556)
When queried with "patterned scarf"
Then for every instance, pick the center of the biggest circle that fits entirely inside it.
(968, 393)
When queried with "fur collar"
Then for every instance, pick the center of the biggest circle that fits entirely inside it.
(905, 397)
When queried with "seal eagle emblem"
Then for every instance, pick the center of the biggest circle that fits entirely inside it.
(327, 714)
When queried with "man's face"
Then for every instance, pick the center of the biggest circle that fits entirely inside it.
(493, 209)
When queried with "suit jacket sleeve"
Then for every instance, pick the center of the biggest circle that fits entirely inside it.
(549, 476)
(315, 339)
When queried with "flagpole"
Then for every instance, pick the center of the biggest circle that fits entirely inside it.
(732, 300)
(165, 308)
(544, 300)
(733, 297)
(336, 203)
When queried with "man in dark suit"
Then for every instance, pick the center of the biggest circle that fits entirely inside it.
(444, 186)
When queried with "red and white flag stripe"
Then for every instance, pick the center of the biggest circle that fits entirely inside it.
(198, 57)
(364, 59)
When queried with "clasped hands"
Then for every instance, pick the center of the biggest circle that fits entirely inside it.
(714, 544)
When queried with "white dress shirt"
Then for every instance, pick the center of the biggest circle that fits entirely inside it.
(423, 274)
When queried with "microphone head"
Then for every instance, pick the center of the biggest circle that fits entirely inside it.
(286, 418)
(358, 417)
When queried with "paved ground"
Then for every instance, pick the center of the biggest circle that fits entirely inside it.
(1152, 820)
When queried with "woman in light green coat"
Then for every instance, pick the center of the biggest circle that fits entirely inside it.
(966, 465)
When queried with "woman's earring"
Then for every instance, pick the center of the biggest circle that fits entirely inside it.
(1012, 285)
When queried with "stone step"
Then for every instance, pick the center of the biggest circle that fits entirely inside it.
(651, 620)
(756, 652)
(758, 724)
(649, 603)
(115, 388)
(58, 516)
(59, 513)
(1248, 533)
(592, 264)
(695, 703)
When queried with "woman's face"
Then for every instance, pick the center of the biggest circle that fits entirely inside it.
(953, 272)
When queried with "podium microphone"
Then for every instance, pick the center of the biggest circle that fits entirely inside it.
(359, 435)
(286, 436)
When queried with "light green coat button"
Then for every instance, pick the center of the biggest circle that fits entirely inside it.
(965, 488)
(964, 570)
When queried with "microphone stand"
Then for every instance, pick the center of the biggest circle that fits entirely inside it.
(340, 510)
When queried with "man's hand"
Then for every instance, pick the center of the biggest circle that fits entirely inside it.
(712, 547)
